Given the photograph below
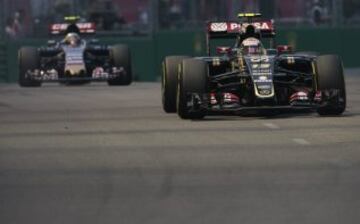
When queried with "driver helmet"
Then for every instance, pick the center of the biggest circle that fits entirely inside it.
(72, 39)
(251, 46)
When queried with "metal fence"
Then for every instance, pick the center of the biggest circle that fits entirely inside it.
(31, 18)
(133, 17)
(311, 13)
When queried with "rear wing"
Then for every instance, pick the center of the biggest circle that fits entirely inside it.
(232, 30)
(61, 28)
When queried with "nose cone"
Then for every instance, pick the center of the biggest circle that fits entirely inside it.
(75, 72)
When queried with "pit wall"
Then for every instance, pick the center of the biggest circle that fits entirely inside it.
(148, 52)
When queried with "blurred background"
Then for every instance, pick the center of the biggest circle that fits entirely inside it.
(156, 28)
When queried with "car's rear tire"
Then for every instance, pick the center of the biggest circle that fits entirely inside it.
(29, 60)
(330, 77)
(121, 57)
(169, 80)
(193, 78)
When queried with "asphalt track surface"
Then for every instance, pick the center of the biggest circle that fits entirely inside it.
(96, 154)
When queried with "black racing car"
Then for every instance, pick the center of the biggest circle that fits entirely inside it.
(74, 59)
(250, 77)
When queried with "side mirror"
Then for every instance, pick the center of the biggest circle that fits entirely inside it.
(283, 49)
(272, 51)
(51, 43)
(223, 50)
(94, 41)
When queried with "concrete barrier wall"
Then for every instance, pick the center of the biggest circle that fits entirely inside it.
(148, 52)
(343, 42)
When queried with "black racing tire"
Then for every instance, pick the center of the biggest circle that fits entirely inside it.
(193, 78)
(169, 82)
(121, 57)
(330, 76)
(29, 59)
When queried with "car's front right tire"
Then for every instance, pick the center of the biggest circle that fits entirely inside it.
(169, 82)
(193, 79)
(29, 60)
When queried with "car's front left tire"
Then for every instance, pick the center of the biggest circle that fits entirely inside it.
(331, 82)
(121, 58)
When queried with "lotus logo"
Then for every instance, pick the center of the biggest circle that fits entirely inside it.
(263, 78)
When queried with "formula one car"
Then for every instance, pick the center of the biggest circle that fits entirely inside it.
(74, 59)
(250, 77)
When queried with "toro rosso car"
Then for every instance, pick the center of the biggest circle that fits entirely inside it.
(249, 76)
(74, 59)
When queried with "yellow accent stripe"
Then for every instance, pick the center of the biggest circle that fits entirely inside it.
(240, 15)
(70, 18)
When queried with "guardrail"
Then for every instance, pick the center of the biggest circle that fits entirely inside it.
(3, 63)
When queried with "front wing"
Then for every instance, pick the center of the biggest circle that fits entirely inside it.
(52, 76)
(197, 102)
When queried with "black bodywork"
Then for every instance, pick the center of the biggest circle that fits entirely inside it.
(89, 61)
(286, 75)
(53, 59)
(264, 81)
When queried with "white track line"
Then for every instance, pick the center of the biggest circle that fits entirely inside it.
(301, 141)
(271, 126)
